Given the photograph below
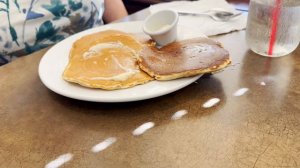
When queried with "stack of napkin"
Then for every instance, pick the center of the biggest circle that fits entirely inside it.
(204, 24)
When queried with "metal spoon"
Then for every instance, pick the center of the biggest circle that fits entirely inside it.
(217, 15)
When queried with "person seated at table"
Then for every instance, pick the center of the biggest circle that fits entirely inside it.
(30, 25)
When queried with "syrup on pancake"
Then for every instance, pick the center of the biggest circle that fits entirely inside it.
(183, 59)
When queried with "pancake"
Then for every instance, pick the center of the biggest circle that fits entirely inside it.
(183, 59)
(107, 60)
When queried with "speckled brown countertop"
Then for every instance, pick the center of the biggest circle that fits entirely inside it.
(258, 127)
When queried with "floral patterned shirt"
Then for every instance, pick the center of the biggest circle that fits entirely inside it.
(29, 25)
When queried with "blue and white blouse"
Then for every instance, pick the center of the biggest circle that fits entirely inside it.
(29, 25)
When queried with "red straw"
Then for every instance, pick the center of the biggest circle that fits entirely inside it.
(275, 18)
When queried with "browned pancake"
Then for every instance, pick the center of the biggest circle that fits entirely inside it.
(107, 60)
(183, 59)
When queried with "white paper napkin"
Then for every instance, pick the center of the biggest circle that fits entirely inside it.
(204, 24)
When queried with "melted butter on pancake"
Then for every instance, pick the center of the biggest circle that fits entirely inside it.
(121, 77)
(98, 48)
(106, 60)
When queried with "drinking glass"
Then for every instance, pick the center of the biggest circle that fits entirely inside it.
(273, 27)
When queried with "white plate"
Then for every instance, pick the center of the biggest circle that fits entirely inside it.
(55, 60)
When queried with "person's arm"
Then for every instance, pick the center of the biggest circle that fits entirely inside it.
(113, 10)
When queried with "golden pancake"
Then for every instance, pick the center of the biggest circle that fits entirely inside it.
(183, 59)
(106, 60)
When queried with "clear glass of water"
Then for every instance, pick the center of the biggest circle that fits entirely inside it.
(273, 27)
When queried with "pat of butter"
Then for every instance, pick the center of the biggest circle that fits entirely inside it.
(120, 77)
(99, 47)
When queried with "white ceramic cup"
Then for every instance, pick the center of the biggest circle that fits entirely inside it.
(162, 26)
